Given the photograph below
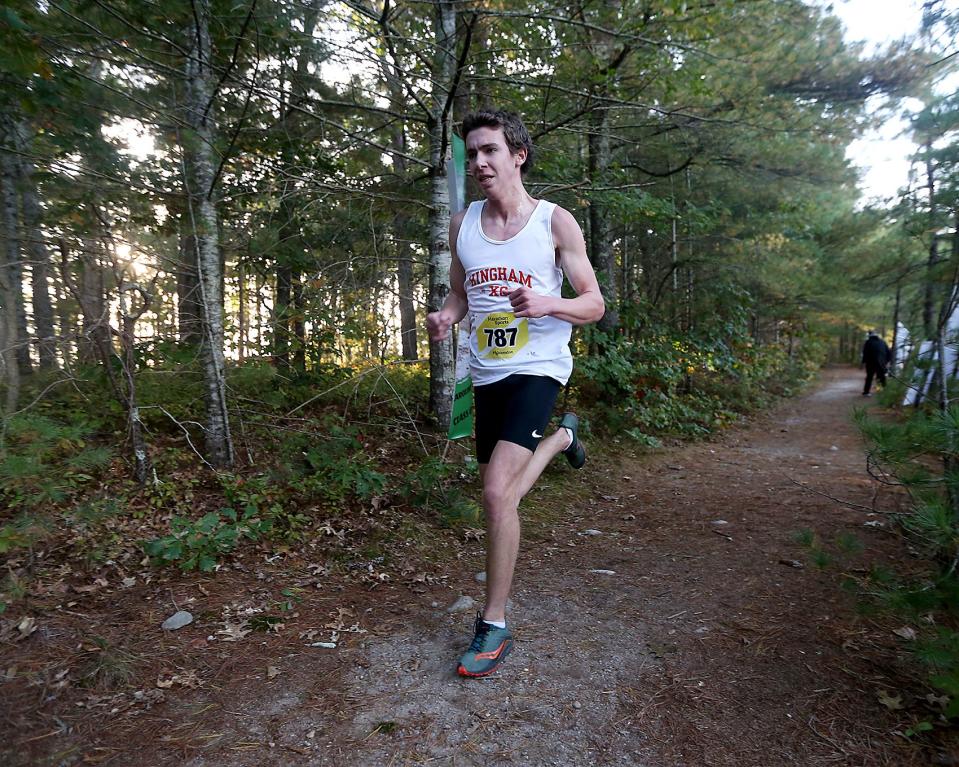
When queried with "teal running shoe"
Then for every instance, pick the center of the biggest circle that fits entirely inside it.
(489, 647)
(575, 453)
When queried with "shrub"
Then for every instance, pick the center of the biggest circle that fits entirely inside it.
(198, 544)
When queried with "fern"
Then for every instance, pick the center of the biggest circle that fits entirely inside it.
(91, 459)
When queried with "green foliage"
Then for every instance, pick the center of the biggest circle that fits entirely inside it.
(198, 544)
(919, 450)
(43, 461)
(337, 477)
(270, 499)
(23, 532)
(432, 486)
(941, 653)
(330, 466)
(688, 385)
(106, 665)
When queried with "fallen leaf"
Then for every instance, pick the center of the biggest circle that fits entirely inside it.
(937, 700)
(892, 702)
(186, 679)
(26, 627)
(905, 632)
(234, 632)
(272, 672)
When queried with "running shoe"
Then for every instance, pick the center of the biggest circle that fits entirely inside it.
(575, 453)
(489, 647)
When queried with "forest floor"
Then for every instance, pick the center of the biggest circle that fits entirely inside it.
(700, 622)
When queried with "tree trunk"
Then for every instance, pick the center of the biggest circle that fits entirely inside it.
(66, 312)
(200, 168)
(8, 289)
(401, 223)
(929, 292)
(281, 312)
(189, 310)
(18, 336)
(690, 281)
(242, 322)
(259, 287)
(142, 465)
(895, 331)
(299, 323)
(289, 317)
(95, 340)
(444, 65)
(39, 258)
(601, 246)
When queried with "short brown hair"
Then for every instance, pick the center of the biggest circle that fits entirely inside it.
(514, 131)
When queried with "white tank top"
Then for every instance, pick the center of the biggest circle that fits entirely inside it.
(502, 344)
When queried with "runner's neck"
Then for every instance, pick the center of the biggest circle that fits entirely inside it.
(510, 211)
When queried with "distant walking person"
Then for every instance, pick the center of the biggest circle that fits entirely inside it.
(875, 356)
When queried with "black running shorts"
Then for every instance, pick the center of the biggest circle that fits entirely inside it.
(514, 409)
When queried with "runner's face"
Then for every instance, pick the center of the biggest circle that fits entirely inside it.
(489, 159)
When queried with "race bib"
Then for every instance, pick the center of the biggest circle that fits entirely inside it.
(501, 335)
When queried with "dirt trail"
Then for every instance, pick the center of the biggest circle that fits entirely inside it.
(703, 648)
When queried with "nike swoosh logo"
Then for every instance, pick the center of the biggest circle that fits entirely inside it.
(538, 436)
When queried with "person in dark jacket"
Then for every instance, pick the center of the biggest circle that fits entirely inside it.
(875, 356)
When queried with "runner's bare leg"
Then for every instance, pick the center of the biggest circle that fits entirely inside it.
(546, 451)
(501, 479)
(510, 474)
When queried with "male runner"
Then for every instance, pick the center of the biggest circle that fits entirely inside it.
(510, 252)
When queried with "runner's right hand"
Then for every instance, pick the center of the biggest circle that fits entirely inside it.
(438, 325)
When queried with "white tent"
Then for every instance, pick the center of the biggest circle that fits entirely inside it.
(903, 346)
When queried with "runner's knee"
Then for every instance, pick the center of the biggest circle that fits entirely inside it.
(498, 501)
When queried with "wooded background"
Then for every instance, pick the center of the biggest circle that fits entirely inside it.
(224, 203)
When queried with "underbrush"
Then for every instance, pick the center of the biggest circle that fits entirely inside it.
(662, 384)
(316, 455)
(918, 450)
(320, 454)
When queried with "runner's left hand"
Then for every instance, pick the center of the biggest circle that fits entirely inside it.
(526, 303)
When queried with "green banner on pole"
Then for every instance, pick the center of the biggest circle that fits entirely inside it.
(456, 175)
(461, 419)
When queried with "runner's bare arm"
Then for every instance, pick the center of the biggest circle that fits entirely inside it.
(588, 306)
(438, 324)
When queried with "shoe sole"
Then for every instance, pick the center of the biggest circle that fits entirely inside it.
(463, 671)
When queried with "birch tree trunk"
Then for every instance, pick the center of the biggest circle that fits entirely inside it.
(39, 258)
(199, 171)
(444, 66)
